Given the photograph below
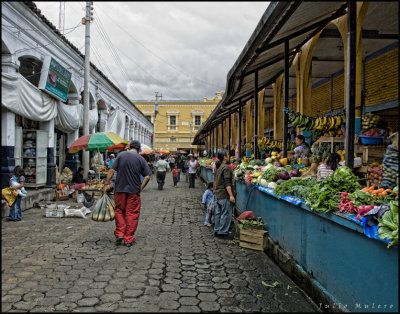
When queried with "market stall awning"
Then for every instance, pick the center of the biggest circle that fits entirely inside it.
(295, 22)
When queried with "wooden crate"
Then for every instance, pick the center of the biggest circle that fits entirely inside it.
(60, 196)
(372, 153)
(254, 239)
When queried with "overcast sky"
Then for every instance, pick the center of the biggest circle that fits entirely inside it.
(184, 50)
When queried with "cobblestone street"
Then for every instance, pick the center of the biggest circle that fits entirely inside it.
(175, 264)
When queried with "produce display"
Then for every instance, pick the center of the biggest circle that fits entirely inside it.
(390, 167)
(369, 120)
(388, 227)
(320, 124)
(374, 174)
(299, 187)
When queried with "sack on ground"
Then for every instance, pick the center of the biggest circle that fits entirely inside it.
(104, 210)
(76, 212)
(80, 198)
(66, 176)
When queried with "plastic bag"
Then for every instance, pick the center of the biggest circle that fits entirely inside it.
(7, 194)
(104, 210)
(66, 176)
(77, 212)
(97, 159)
(80, 198)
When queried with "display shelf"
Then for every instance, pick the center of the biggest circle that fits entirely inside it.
(38, 141)
(331, 140)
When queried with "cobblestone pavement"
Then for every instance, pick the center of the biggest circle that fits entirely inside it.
(175, 264)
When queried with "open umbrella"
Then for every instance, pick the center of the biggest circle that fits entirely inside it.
(96, 142)
(164, 151)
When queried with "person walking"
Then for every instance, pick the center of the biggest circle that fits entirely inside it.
(181, 165)
(19, 177)
(130, 165)
(208, 202)
(193, 164)
(175, 172)
(162, 167)
(224, 195)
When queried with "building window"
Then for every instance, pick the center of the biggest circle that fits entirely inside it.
(173, 139)
(197, 120)
(172, 120)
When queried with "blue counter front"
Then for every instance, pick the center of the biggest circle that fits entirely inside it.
(207, 174)
(355, 271)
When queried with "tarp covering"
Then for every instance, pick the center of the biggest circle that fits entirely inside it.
(68, 117)
(116, 123)
(21, 97)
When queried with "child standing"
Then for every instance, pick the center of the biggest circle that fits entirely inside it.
(175, 175)
(207, 201)
(17, 183)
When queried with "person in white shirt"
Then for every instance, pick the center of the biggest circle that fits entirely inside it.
(162, 167)
(193, 164)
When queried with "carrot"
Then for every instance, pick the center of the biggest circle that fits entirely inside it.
(365, 189)
(389, 190)
(371, 188)
(384, 193)
(380, 190)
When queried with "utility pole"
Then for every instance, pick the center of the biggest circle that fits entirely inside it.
(61, 17)
(155, 115)
(86, 82)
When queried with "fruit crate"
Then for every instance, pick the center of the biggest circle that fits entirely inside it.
(370, 153)
(254, 239)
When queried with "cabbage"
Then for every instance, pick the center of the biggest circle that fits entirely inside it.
(268, 160)
(276, 178)
(272, 185)
(284, 175)
(264, 183)
(278, 164)
(294, 173)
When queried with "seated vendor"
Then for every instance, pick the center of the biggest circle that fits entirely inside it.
(78, 177)
(302, 148)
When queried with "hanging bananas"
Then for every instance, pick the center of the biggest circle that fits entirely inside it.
(316, 124)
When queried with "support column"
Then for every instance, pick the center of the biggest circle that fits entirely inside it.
(72, 160)
(278, 105)
(229, 133)
(7, 145)
(48, 126)
(285, 100)
(240, 129)
(131, 132)
(351, 83)
(222, 133)
(255, 128)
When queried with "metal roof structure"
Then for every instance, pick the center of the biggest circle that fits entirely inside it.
(296, 22)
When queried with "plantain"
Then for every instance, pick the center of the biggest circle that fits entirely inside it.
(107, 216)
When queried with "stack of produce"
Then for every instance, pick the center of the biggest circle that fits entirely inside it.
(372, 132)
(317, 124)
(374, 175)
(104, 210)
(388, 227)
(323, 196)
(369, 120)
(390, 167)
(299, 187)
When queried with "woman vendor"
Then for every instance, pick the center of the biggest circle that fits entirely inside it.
(302, 148)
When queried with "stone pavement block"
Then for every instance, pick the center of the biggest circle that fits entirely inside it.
(93, 293)
(207, 297)
(107, 307)
(231, 309)
(65, 306)
(188, 301)
(88, 302)
(189, 309)
(169, 305)
(209, 306)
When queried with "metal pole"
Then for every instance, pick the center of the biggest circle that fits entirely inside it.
(350, 83)
(229, 132)
(255, 131)
(85, 154)
(285, 100)
(240, 129)
(217, 139)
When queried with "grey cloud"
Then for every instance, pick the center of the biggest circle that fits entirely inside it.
(200, 39)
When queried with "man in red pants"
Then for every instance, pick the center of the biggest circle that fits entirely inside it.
(129, 166)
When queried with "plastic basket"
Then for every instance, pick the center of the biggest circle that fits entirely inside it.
(371, 140)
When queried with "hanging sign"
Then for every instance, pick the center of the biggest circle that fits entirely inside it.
(54, 79)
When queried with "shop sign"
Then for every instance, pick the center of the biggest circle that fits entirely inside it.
(55, 79)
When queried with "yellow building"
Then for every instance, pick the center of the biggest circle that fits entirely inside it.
(177, 121)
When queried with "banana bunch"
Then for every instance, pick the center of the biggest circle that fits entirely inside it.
(291, 145)
(321, 123)
(275, 144)
(104, 210)
(262, 143)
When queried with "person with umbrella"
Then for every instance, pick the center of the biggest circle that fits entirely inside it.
(130, 165)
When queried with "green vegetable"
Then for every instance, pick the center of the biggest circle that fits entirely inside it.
(323, 196)
(361, 198)
(271, 172)
(296, 186)
(388, 227)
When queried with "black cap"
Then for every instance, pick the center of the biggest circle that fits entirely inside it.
(135, 144)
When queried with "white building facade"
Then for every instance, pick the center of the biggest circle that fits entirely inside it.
(37, 129)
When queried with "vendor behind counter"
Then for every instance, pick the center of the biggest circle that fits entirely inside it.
(302, 149)
(78, 177)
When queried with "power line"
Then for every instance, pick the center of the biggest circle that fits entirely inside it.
(166, 62)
